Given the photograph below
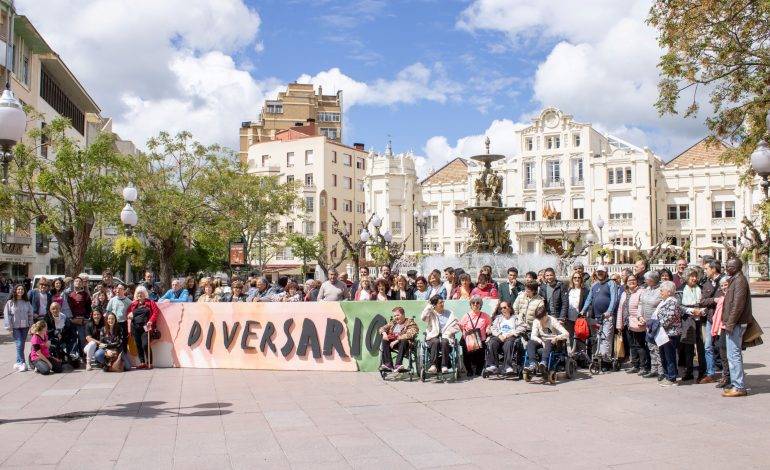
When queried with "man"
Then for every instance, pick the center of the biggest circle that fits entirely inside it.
(704, 263)
(579, 268)
(385, 273)
(149, 284)
(311, 289)
(511, 288)
(40, 299)
(601, 303)
(397, 335)
(551, 292)
(449, 280)
(736, 316)
(679, 280)
(332, 290)
(5, 284)
(363, 272)
(177, 293)
(86, 282)
(108, 283)
(640, 269)
(344, 278)
(709, 292)
(79, 301)
(411, 277)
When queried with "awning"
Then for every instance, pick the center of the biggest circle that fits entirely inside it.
(578, 203)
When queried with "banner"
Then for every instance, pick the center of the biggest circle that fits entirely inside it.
(336, 336)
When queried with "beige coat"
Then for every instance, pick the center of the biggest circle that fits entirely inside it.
(525, 308)
(430, 317)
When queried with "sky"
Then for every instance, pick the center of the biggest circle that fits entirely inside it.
(435, 76)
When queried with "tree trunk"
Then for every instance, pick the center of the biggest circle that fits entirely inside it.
(73, 245)
(166, 252)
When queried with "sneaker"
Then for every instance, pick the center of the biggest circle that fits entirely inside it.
(432, 369)
(23, 367)
(88, 366)
(509, 370)
(661, 377)
(491, 369)
(541, 368)
(448, 370)
(734, 392)
(650, 375)
(633, 370)
(642, 373)
(402, 368)
(667, 383)
(17, 366)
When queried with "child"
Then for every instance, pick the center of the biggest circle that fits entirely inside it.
(40, 357)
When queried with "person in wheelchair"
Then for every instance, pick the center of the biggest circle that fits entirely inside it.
(506, 331)
(441, 330)
(398, 335)
(546, 331)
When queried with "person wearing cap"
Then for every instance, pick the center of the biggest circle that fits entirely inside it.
(600, 306)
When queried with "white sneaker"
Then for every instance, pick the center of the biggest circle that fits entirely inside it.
(17, 366)
(432, 369)
(509, 370)
(492, 369)
(449, 370)
(88, 366)
(23, 367)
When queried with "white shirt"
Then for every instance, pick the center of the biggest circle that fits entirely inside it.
(574, 304)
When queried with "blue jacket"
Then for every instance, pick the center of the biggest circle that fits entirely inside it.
(172, 296)
(34, 300)
(603, 298)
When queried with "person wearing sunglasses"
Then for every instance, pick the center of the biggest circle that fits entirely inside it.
(505, 331)
(576, 295)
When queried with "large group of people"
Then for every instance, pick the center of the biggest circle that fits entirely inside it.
(666, 320)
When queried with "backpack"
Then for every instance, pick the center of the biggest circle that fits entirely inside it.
(581, 329)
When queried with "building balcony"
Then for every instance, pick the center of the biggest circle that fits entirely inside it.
(18, 238)
(529, 185)
(553, 226)
(576, 183)
(726, 222)
(553, 184)
(308, 187)
(619, 223)
(270, 170)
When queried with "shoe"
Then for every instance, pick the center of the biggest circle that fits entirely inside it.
(17, 367)
(88, 367)
(386, 367)
(633, 370)
(402, 368)
(722, 384)
(650, 375)
(642, 373)
(509, 370)
(734, 392)
(23, 367)
(667, 383)
(141, 366)
(661, 377)
(449, 370)
(687, 378)
(541, 368)
(491, 369)
(706, 379)
(432, 369)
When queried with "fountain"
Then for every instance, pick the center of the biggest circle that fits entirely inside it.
(487, 214)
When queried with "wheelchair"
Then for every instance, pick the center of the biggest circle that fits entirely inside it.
(598, 364)
(558, 361)
(518, 361)
(455, 360)
(413, 363)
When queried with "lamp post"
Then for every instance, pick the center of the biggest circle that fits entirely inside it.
(129, 219)
(421, 220)
(13, 122)
(760, 162)
(600, 225)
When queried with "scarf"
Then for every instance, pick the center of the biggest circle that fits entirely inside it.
(690, 296)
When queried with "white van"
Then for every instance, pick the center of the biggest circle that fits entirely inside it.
(93, 279)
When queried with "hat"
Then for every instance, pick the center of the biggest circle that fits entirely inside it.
(601, 268)
(577, 264)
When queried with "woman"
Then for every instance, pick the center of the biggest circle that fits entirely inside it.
(364, 291)
(485, 288)
(261, 292)
(58, 296)
(93, 334)
(192, 288)
(401, 289)
(631, 320)
(666, 275)
(473, 321)
(17, 317)
(237, 294)
(291, 293)
(717, 331)
(382, 289)
(439, 333)
(435, 286)
(112, 344)
(691, 294)
(487, 269)
(649, 299)
(142, 315)
(217, 283)
(101, 299)
(504, 333)
(421, 291)
(208, 294)
(63, 337)
(528, 303)
(40, 356)
(463, 291)
(667, 313)
(576, 299)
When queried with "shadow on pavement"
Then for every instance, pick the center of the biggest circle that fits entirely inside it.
(143, 410)
(752, 365)
(758, 384)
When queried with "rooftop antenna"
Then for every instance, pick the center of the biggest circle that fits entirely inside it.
(389, 148)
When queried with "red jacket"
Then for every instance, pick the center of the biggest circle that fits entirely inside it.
(489, 292)
(154, 310)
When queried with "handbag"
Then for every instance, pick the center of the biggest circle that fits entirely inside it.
(472, 338)
(154, 334)
(620, 352)
(688, 330)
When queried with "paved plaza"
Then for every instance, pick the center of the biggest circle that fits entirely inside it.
(187, 418)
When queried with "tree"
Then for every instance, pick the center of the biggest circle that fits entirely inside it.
(177, 186)
(306, 248)
(100, 256)
(68, 192)
(720, 47)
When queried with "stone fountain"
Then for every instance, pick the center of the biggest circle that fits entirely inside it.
(486, 213)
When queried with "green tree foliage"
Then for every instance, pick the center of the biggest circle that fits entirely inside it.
(100, 256)
(68, 192)
(306, 248)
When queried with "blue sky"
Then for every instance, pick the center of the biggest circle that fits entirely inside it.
(435, 75)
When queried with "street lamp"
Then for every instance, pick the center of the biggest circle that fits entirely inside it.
(13, 122)
(600, 225)
(760, 162)
(421, 220)
(129, 219)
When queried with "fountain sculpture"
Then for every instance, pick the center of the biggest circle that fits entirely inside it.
(487, 214)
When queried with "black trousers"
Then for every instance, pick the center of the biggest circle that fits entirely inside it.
(402, 346)
(687, 353)
(722, 341)
(494, 345)
(640, 355)
(473, 361)
(434, 344)
(140, 338)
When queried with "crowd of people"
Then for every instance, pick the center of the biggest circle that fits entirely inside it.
(668, 322)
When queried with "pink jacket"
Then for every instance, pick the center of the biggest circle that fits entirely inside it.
(39, 346)
(488, 292)
(481, 321)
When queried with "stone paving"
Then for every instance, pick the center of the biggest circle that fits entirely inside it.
(187, 418)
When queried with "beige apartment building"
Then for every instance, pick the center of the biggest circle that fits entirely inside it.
(332, 182)
(40, 79)
(299, 104)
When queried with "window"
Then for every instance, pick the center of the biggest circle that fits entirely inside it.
(530, 247)
(458, 247)
(274, 228)
(309, 204)
(723, 209)
(360, 164)
(461, 222)
(529, 174)
(577, 170)
(529, 144)
(553, 170)
(289, 178)
(289, 227)
(530, 215)
(60, 102)
(334, 156)
(347, 183)
(678, 212)
(618, 175)
(360, 185)
(330, 133)
(628, 174)
(360, 207)
(309, 228)
(334, 203)
(553, 142)
(620, 215)
(265, 160)
(578, 213)
(347, 205)
(274, 108)
(610, 176)
(432, 222)
(334, 180)
(289, 158)
(25, 68)
(395, 228)
(308, 179)
(530, 210)
(347, 159)
(308, 157)
(326, 116)
(576, 140)
(621, 207)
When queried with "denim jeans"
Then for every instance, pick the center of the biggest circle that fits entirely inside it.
(20, 338)
(735, 357)
(708, 342)
(81, 330)
(668, 358)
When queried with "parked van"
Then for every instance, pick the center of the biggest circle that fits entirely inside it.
(93, 279)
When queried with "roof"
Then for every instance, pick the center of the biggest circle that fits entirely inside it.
(702, 153)
(456, 171)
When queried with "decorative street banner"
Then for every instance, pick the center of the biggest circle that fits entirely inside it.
(336, 336)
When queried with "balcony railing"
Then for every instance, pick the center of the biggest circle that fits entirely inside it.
(577, 182)
(529, 185)
(555, 226)
(619, 223)
(553, 183)
(18, 238)
(724, 222)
